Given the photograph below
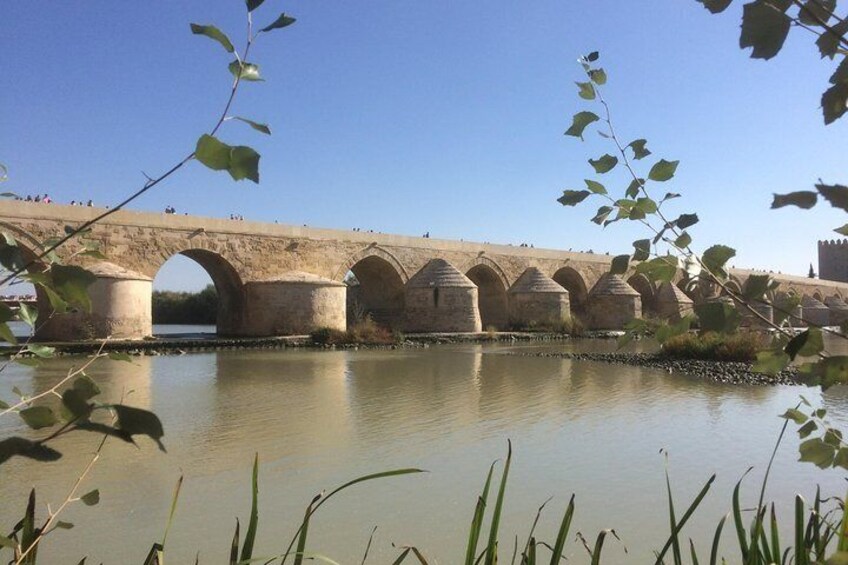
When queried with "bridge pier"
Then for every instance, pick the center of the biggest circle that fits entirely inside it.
(293, 303)
(613, 303)
(120, 309)
(439, 298)
(671, 303)
(535, 300)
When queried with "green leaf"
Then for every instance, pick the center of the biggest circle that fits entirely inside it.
(771, 361)
(4, 173)
(717, 317)
(619, 264)
(715, 6)
(633, 190)
(27, 314)
(280, 22)
(573, 197)
(37, 417)
(86, 387)
(240, 161)
(756, 286)
(841, 72)
(668, 331)
(592, 57)
(579, 123)
(255, 125)
(639, 149)
(827, 372)
(658, 269)
(63, 525)
(11, 258)
(43, 351)
(213, 153)
(586, 90)
(807, 429)
(834, 102)
(813, 12)
(244, 163)
(833, 437)
(663, 170)
(803, 199)
(817, 452)
(213, 33)
(56, 302)
(646, 205)
(683, 241)
(829, 42)
(795, 415)
(595, 187)
(806, 344)
(643, 249)
(136, 421)
(602, 214)
(843, 230)
(764, 28)
(604, 164)
(841, 459)
(245, 71)
(836, 194)
(6, 334)
(71, 284)
(75, 405)
(253, 4)
(91, 498)
(669, 196)
(716, 257)
(598, 76)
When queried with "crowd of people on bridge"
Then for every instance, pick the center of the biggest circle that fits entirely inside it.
(46, 199)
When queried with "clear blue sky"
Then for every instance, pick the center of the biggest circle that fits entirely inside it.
(408, 117)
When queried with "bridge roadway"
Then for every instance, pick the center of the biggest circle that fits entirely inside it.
(279, 279)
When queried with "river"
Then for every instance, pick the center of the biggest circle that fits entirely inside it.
(320, 418)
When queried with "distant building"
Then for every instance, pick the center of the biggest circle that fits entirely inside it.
(833, 260)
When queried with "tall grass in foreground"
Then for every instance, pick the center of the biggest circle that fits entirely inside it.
(817, 531)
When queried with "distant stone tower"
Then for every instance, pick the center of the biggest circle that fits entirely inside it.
(833, 260)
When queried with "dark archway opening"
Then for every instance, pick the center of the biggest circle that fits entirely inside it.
(643, 286)
(376, 291)
(491, 297)
(188, 299)
(578, 294)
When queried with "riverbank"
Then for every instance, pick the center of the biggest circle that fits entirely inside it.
(728, 372)
(738, 373)
(178, 345)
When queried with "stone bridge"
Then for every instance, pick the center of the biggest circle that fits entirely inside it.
(287, 280)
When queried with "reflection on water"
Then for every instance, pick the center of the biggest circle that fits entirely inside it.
(319, 418)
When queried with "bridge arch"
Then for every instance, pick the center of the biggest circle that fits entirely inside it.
(377, 288)
(646, 290)
(491, 293)
(226, 279)
(578, 294)
(372, 250)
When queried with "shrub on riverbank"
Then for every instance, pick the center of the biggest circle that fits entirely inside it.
(171, 307)
(742, 346)
(366, 332)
